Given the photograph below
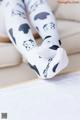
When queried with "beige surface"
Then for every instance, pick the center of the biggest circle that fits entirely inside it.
(69, 11)
(71, 44)
(53, 4)
(74, 64)
(15, 75)
(9, 56)
(4, 38)
(67, 28)
(69, 32)
(23, 73)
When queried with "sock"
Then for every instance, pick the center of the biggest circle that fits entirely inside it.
(20, 34)
(18, 27)
(44, 22)
(47, 68)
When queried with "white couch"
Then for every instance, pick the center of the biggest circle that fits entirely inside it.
(13, 66)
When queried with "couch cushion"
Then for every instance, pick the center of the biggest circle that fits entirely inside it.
(9, 55)
(68, 11)
(71, 44)
(67, 28)
(4, 38)
(16, 75)
(53, 4)
(70, 35)
(74, 64)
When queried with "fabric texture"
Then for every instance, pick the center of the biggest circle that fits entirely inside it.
(9, 56)
(44, 22)
(69, 11)
(19, 32)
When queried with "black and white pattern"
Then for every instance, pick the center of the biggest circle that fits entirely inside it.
(12, 35)
(48, 68)
(55, 67)
(24, 28)
(41, 16)
(34, 68)
(45, 23)
(54, 47)
(47, 37)
(29, 44)
(18, 13)
(60, 42)
(19, 10)
(34, 4)
(49, 26)
(45, 72)
(18, 27)
(20, 33)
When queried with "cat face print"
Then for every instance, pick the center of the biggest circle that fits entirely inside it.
(49, 26)
(28, 44)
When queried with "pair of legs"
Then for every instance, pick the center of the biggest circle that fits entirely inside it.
(49, 58)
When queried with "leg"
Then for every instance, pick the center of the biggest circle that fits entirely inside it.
(17, 26)
(44, 21)
(19, 31)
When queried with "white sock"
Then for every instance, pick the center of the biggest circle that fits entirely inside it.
(20, 34)
(44, 21)
(17, 26)
(47, 68)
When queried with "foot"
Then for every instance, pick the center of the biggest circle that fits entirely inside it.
(48, 68)
(49, 48)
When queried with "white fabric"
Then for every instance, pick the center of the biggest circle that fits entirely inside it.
(57, 99)
(19, 32)
(44, 22)
(2, 22)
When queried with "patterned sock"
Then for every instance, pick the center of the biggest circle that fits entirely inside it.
(20, 34)
(48, 68)
(17, 26)
(44, 21)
